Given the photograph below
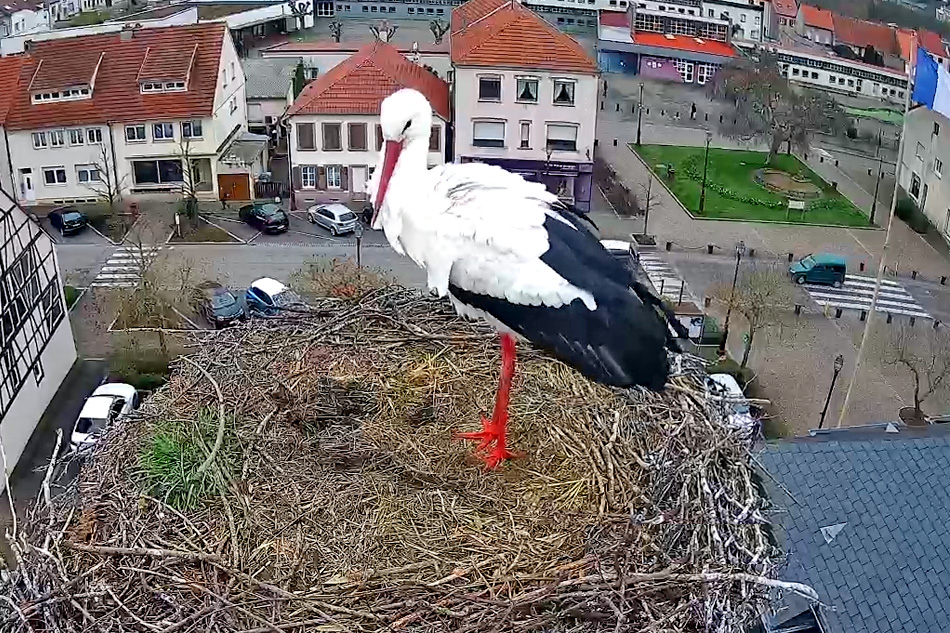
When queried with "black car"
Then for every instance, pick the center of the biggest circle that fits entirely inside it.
(217, 304)
(68, 220)
(265, 216)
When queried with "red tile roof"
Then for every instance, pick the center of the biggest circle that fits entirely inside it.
(614, 18)
(77, 70)
(684, 43)
(817, 18)
(9, 79)
(117, 97)
(512, 36)
(931, 42)
(785, 8)
(862, 34)
(359, 84)
(168, 64)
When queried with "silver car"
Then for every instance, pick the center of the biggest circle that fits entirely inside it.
(336, 218)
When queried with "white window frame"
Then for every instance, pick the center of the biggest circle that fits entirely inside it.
(572, 83)
(88, 170)
(191, 129)
(518, 86)
(163, 131)
(40, 141)
(57, 138)
(56, 171)
(308, 177)
(475, 124)
(137, 139)
(938, 168)
(76, 133)
(524, 143)
(335, 181)
(93, 135)
(234, 105)
(501, 90)
(560, 125)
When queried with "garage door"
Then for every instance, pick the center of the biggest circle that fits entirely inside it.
(234, 186)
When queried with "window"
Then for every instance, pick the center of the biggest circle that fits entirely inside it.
(39, 140)
(157, 172)
(233, 72)
(758, 20)
(936, 129)
(54, 175)
(233, 106)
(305, 136)
(938, 167)
(915, 185)
(710, 13)
(76, 137)
(191, 129)
(562, 137)
(435, 138)
(135, 133)
(379, 138)
(563, 92)
(814, 75)
(357, 135)
(224, 77)
(57, 138)
(794, 72)
(334, 177)
(920, 150)
(525, 135)
(88, 173)
(163, 132)
(488, 133)
(308, 177)
(489, 88)
(527, 90)
(742, 17)
(332, 140)
(93, 135)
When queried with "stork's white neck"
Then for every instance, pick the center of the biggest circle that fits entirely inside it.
(414, 158)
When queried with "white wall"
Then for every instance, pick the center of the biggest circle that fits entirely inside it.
(750, 29)
(324, 61)
(468, 108)
(854, 76)
(256, 16)
(922, 150)
(225, 120)
(257, 109)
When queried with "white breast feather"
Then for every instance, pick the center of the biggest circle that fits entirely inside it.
(481, 227)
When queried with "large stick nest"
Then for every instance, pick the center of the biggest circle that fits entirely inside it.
(336, 497)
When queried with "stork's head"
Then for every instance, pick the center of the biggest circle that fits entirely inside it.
(405, 118)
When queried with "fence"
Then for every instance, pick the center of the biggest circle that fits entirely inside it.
(271, 190)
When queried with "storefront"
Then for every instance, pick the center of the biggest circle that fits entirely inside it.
(572, 182)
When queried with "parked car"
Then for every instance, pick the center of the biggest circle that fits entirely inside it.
(268, 297)
(726, 389)
(266, 217)
(68, 220)
(336, 218)
(108, 403)
(820, 268)
(217, 304)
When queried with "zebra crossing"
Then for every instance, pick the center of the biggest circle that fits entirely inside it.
(856, 293)
(123, 268)
(665, 281)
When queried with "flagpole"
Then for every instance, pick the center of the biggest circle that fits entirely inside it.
(887, 242)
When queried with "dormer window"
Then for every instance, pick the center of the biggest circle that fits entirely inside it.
(71, 94)
(162, 86)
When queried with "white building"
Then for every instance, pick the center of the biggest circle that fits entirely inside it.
(336, 139)
(21, 17)
(9, 79)
(36, 343)
(747, 18)
(269, 90)
(319, 56)
(925, 166)
(526, 97)
(127, 109)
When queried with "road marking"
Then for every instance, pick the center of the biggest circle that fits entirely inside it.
(124, 266)
(663, 278)
(857, 292)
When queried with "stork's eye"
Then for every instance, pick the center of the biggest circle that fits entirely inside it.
(408, 123)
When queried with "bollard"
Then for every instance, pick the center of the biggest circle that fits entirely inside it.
(596, 142)
(864, 315)
(869, 173)
(669, 246)
(936, 324)
(709, 249)
(720, 118)
(821, 159)
(615, 142)
(735, 122)
(834, 185)
(943, 280)
(648, 111)
(707, 302)
(912, 321)
(798, 309)
(662, 283)
(751, 252)
(617, 109)
(790, 257)
(860, 266)
(633, 108)
(837, 313)
(662, 112)
(890, 317)
(706, 117)
(836, 162)
(913, 274)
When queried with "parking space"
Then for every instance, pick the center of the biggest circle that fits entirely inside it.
(87, 236)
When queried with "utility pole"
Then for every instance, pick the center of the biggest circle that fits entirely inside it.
(877, 184)
(639, 113)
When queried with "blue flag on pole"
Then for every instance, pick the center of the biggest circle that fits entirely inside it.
(931, 84)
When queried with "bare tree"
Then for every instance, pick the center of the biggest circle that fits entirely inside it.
(439, 29)
(383, 32)
(190, 181)
(106, 185)
(648, 196)
(336, 30)
(923, 352)
(764, 107)
(762, 296)
(300, 9)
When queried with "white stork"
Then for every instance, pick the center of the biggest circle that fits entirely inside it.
(507, 251)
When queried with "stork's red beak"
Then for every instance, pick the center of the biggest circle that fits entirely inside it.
(391, 152)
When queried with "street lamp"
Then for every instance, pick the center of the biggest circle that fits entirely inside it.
(839, 363)
(639, 113)
(702, 194)
(740, 251)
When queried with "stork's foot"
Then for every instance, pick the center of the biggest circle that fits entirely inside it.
(498, 455)
(489, 434)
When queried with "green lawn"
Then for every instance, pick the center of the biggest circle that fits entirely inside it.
(881, 114)
(733, 170)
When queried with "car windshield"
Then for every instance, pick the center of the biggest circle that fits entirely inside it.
(808, 261)
(72, 216)
(346, 217)
(222, 300)
(89, 425)
(270, 210)
(740, 407)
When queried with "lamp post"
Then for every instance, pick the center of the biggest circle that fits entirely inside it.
(639, 113)
(877, 183)
(702, 193)
(839, 364)
(740, 251)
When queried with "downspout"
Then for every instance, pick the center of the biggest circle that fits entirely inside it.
(290, 165)
(6, 143)
(115, 168)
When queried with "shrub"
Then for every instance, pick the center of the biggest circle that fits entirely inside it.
(146, 370)
(338, 278)
(906, 209)
(71, 294)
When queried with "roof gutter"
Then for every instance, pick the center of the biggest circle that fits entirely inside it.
(115, 167)
(6, 144)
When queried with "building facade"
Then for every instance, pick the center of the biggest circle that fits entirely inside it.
(36, 342)
(815, 24)
(140, 112)
(23, 17)
(335, 138)
(525, 97)
(924, 165)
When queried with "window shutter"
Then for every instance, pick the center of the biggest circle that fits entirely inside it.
(379, 138)
(321, 177)
(344, 178)
(295, 178)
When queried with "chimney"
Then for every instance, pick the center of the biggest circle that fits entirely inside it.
(126, 34)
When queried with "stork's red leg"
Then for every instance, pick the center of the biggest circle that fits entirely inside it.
(494, 431)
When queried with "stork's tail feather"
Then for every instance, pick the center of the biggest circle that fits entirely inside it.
(648, 298)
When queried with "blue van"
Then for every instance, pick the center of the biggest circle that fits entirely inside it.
(820, 268)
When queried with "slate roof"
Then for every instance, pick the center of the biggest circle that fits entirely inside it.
(268, 78)
(885, 501)
(116, 97)
(359, 84)
(817, 18)
(494, 34)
